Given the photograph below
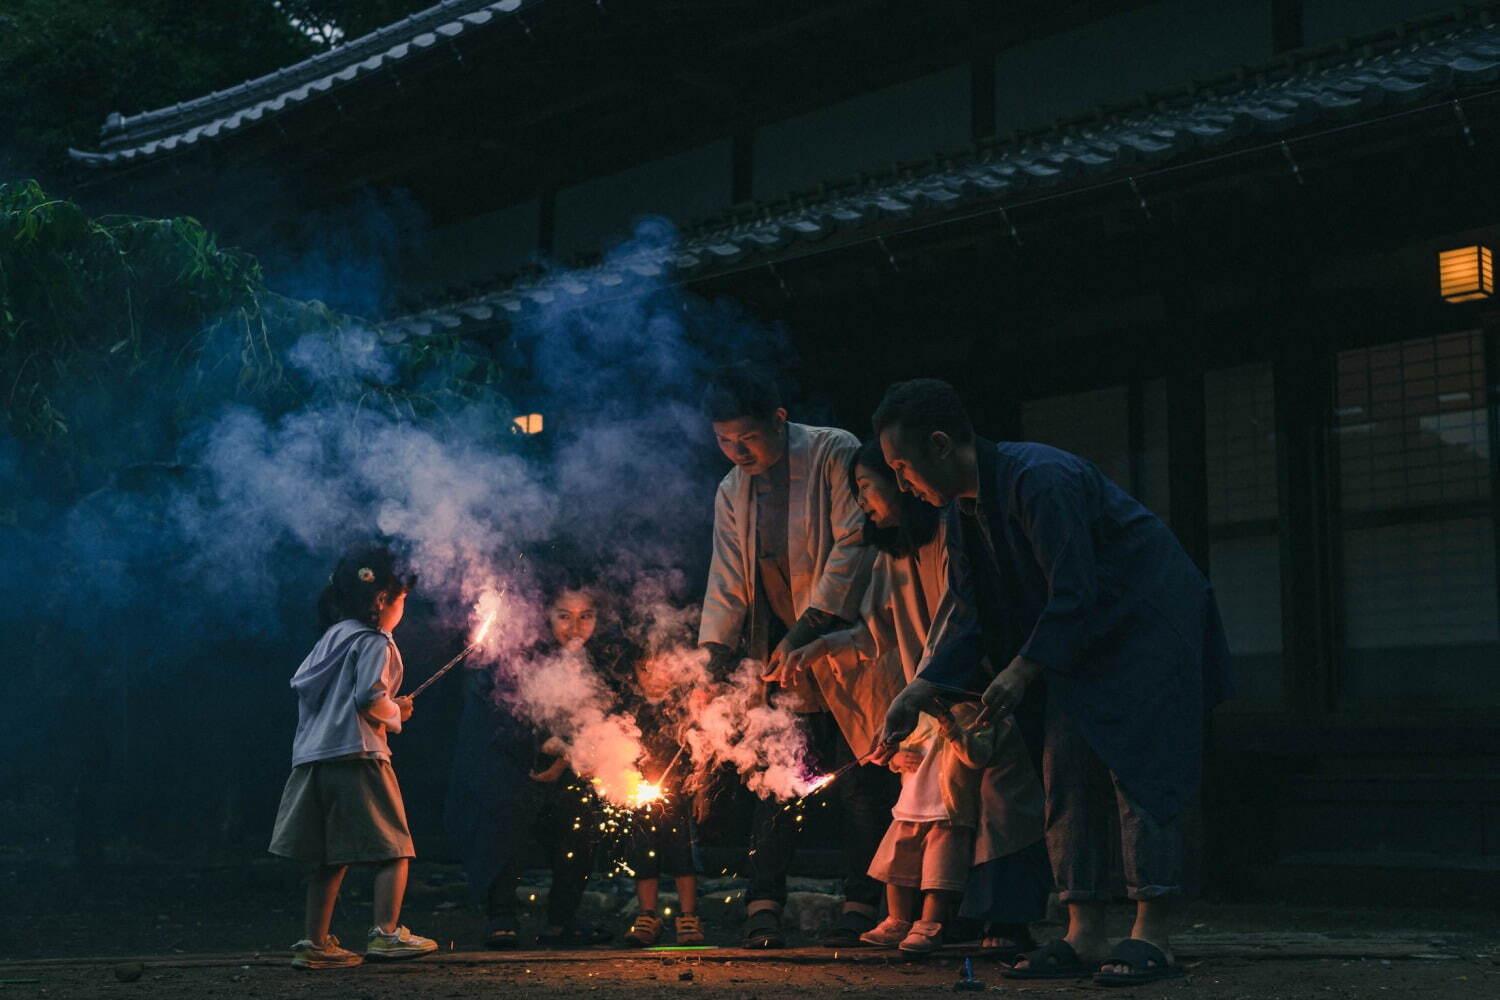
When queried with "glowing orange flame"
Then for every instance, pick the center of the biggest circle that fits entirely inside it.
(645, 794)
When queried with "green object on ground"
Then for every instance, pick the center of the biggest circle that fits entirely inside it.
(682, 947)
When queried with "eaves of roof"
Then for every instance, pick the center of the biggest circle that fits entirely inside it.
(1284, 98)
(136, 138)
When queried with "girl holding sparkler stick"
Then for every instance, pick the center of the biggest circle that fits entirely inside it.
(342, 805)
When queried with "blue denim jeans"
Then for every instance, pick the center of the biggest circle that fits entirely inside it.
(1081, 794)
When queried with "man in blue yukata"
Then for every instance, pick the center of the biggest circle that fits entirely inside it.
(1062, 576)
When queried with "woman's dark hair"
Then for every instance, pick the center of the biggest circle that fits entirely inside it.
(921, 406)
(741, 390)
(919, 520)
(554, 581)
(363, 573)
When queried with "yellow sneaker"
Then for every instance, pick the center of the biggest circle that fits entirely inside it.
(400, 943)
(689, 929)
(306, 955)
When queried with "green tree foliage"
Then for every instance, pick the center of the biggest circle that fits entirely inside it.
(67, 64)
(119, 334)
(331, 21)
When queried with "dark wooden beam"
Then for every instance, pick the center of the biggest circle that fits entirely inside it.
(982, 94)
(1286, 25)
(742, 167)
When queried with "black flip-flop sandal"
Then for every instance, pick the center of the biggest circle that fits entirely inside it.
(1147, 962)
(1053, 960)
(502, 934)
(504, 939)
(763, 930)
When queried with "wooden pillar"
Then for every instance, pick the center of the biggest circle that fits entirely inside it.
(1492, 419)
(1188, 466)
(1309, 536)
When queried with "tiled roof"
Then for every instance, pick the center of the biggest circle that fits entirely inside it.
(1334, 86)
(134, 138)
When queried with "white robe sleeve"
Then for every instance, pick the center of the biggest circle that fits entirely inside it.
(726, 599)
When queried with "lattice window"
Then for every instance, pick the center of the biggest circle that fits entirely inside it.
(1410, 423)
(1418, 588)
(1243, 501)
(1240, 410)
(1092, 425)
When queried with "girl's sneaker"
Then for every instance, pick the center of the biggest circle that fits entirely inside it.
(925, 938)
(399, 943)
(646, 930)
(888, 933)
(689, 929)
(306, 955)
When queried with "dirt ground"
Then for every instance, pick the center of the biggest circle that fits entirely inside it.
(223, 931)
(733, 976)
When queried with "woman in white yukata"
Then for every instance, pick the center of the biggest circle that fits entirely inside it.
(903, 611)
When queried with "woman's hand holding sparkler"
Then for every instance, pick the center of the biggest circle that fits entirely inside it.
(404, 703)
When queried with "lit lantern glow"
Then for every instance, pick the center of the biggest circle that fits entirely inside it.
(528, 424)
(1466, 274)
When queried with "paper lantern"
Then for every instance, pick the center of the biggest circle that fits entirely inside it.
(1466, 274)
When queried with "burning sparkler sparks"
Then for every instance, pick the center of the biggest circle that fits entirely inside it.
(484, 627)
(645, 794)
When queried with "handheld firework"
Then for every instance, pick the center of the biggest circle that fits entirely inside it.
(484, 627)
(824, 781)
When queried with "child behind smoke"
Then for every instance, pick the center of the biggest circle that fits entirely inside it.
(341, 804)
(512, 784)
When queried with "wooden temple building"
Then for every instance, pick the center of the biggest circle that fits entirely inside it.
(1198, 243)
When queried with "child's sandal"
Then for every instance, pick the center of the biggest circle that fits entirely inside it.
(689, 929)
(645, 932)
(926, 937)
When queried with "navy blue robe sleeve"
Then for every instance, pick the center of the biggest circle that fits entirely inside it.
(1053, 515)
(953, 658)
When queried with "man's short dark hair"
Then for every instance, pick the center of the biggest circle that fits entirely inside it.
(741, 390)
(921, 406)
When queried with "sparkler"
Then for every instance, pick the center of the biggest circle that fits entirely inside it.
(823, 781)
(484, 627)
